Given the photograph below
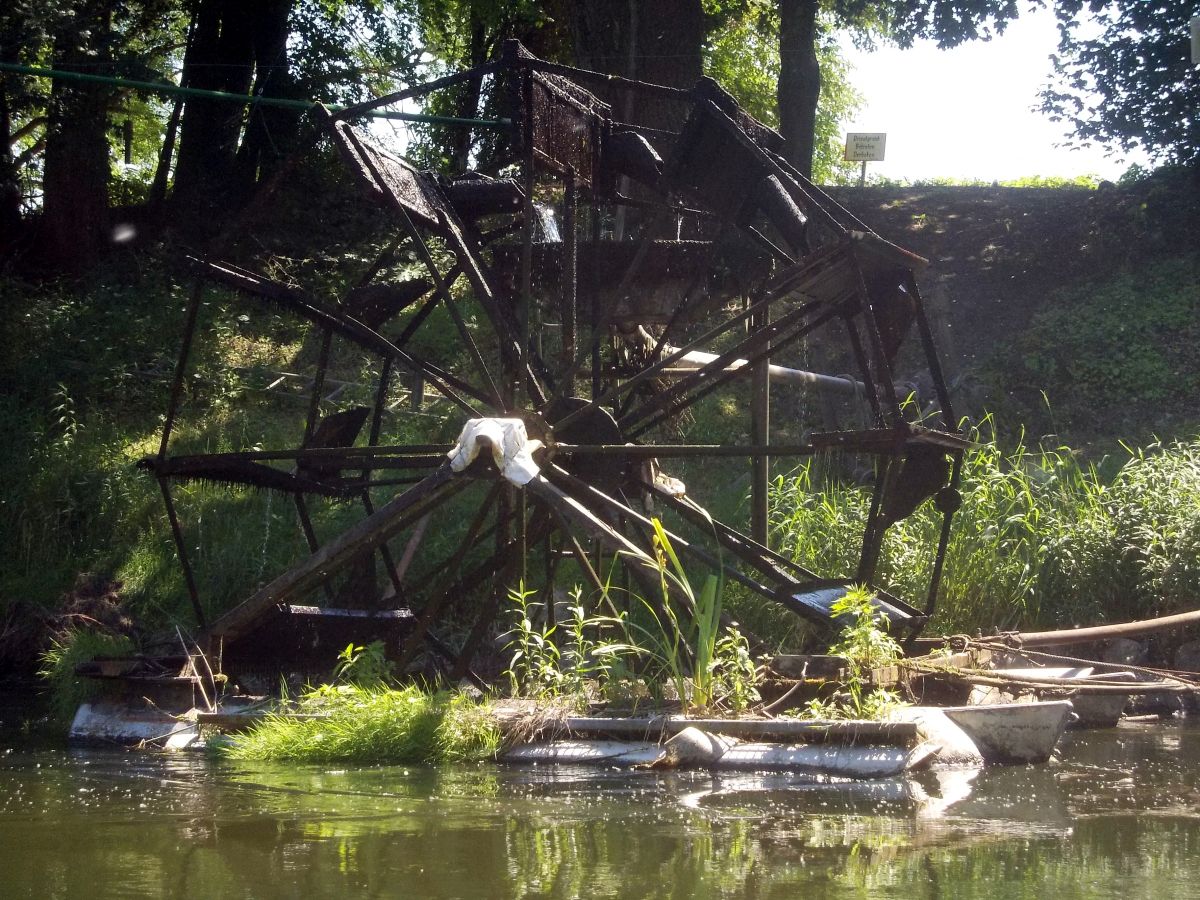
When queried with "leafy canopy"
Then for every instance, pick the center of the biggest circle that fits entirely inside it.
(1124, 76)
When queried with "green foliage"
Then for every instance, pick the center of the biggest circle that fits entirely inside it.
(359, 724)
(743, 55)
(704, 625)
(66, 652)
(1041, 539)
(866, 645)
(364, 666)
(628, 656)
(735, 674)
(1083, 182)
(1108, 349)
(81, 409)
(705, 666)
(540, 668)
(1125, 78)
(864, 640)
(1133, 552)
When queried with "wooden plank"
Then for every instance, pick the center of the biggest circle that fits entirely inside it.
(331, 558)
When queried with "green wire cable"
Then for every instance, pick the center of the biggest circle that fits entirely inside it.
(168, 88)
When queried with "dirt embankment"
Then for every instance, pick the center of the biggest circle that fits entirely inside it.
(1002, 258)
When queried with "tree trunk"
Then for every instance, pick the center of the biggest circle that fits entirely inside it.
(799, 80)
(74, 222)
(468, 107)
(10, 185)
(270, 131)
(660, 42)
(166, 153)
(220, 58)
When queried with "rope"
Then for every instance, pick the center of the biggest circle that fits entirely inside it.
(1172, 681)
(1116, 667)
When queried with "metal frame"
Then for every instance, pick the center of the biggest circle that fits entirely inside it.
(559, 141)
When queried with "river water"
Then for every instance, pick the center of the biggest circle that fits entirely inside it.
(1117, 816)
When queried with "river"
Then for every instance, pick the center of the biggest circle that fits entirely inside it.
(1117, 816)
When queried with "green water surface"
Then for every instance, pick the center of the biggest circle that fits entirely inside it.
(1118, 816)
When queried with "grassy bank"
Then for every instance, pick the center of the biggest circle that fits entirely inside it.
(1043, 538)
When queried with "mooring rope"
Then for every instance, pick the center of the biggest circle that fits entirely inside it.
(1171, 681)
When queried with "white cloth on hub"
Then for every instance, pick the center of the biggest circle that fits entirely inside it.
(512, 449)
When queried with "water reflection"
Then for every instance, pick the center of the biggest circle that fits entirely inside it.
(1118, 815)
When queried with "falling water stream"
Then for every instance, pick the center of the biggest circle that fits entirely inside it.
(1117, 816)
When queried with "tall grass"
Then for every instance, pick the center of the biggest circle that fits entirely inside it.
(1042, 539)
(65, 689)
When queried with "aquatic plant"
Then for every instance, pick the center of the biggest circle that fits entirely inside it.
(735, 673)
(626, 657)
(364, 666)
(540, 668)
(353, 723)
(67, 651)
(707, 666)
(866, 645)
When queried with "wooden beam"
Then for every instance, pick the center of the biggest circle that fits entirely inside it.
(330, 559)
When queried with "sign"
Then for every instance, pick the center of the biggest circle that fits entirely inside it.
(865, 146)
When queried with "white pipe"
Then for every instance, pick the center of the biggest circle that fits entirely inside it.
(695, 359)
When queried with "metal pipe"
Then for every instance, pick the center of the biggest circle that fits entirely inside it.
(695, 359)
(1105, 632)
(654, 451)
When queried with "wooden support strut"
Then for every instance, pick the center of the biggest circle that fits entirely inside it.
(367, 534)
(441, 591)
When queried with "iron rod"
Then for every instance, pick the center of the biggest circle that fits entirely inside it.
(189, 577)
(185, 349)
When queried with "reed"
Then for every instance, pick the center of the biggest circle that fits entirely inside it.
(1043, 537)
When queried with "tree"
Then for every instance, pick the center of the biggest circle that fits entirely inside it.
(802, 27)
(463, 34)
(744, 56)
(221, 55)
(1133, 84)
(95, 37)
(333, 51)
(22, 116)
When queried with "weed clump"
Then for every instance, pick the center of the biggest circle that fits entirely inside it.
(673, 640)
(367, 724)
(68, 650)
(866, 645)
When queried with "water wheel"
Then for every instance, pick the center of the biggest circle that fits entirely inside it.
(683, 259)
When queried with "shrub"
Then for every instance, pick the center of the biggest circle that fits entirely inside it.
(1108, 350)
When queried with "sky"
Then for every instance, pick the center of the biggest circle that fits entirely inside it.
(968, 112)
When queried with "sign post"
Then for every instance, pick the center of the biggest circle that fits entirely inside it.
(864, 147)
(1195, 25)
